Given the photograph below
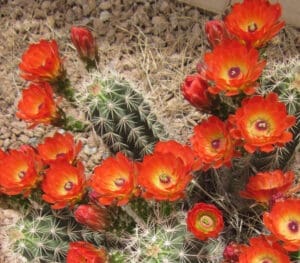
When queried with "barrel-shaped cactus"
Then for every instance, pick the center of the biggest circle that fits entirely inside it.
(121, 117)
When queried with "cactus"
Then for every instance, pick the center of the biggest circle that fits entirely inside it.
(43, 235)
(121, 116)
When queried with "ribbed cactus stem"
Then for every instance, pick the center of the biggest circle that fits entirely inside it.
(122, 118)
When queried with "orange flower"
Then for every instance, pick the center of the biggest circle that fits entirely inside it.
(195, 91)
(92, 216)
(59, 147)
(37, 105)
(81, 251)
(205, 221)
(265, 186)
(114, 180)
(184, 152)
(284, 222)
(233, 68)
(263, 250)
(163, 176)
(212, 143)
(254, 22)
(262, 123)
(19, 171)
(216, 32)
(85, 43)
(41, 62)
(63, 184)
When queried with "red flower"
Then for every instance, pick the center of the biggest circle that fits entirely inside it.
(216, 32)
(37, 105)
(163, 176)
(212, 143)
(63, 184)
(262, 123)
(184, 152)
(284, 222)
(263, 249)
(254, 22)
(85, 43)
(265, 186)
(233, 68)
(115, 180)
(19, 171)
(80, 252)
(92, 216)
(195, 91)
(41, 62)
(59, 147)
(205, 221)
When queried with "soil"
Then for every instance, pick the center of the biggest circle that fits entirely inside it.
(152, 43)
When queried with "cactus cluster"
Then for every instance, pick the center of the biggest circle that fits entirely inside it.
(121, 116)
(43, 234)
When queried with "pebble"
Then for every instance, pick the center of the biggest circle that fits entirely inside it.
(104, 16)
(105, 5)
(24, 139)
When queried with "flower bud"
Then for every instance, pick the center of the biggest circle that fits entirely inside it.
(85, 44)
(92, 216)
(195, 91)
(216, 32)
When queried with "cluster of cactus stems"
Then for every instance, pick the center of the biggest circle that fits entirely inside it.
(146, 231)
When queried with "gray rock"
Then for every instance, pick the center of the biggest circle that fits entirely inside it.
(105, 16)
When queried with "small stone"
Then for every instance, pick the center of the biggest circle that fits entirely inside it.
(6, 143)
(24, 139)
(46, 6)
(105, 5)
(105, 16)
(164, 7)
(86, 10)
(39, 14)
(70, 16)
(160, 24)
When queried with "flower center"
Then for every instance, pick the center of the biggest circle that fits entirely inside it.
(267, 260)
(252, 27)
(60, 155)
(293, 226)
(68, 186)
(216, 143)
(119, 182)
(261, 125)
(234, 72)
(21, 174)
(164, 178)
(206, 221)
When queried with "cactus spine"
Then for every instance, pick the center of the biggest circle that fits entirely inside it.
(121, 117)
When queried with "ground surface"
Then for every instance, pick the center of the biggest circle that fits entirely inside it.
(153, 43)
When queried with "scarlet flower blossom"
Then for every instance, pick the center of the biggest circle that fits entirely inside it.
(205, 221)
(59, 147)
(233, 68)
(265, 186)
(114, 180)
(262, 123)
(216, 32)
(254, 22)
(85, 43)
(195, 91)
(63, 184)
(37, 105)
(19, 171)
(263, 249)
(163, 176)
(211, 141)
(284, 222)
(41, 62)
(81, 251)
(95, 217)
(184, 152)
